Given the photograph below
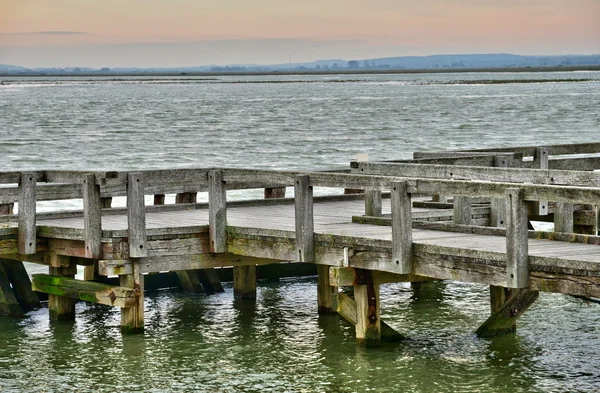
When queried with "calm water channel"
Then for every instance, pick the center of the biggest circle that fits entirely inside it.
(209, 343)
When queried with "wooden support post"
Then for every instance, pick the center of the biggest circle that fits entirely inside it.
(217, 212)
(517, 254)
(132, 318)
(27, 230)
(563, 217)
(92, 220)
(401, 227)
(305, 226)
(346, 308)
(325, 292)
(373, 203)
(189, 281)
(275, 192)
(61, 308)
(368, 322)
(136, 216)
(507, 306)
(209, 280)
(159, 199)
(21, 284)
(185, 197)
(244, 282)
(462, 210)
(498, 205)
(8, 301)
(540, 161)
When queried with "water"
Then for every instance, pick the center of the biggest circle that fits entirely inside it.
(210, 343)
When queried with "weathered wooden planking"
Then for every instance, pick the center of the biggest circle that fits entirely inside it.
(569, 148)
(496, 174)
(84, 290)
(181, 262)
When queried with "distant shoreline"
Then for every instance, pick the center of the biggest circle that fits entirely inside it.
(312, 72)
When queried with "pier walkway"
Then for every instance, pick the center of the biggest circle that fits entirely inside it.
(463, 216)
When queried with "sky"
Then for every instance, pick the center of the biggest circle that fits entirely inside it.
(179, 33)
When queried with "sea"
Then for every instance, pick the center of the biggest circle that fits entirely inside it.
(209, 343)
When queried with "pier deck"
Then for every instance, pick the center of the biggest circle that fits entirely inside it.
(461, 216)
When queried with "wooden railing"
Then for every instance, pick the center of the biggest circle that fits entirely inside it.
(514, 186)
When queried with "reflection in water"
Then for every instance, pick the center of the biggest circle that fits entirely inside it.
(211, 343)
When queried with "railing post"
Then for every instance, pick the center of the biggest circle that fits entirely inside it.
(517, 259)
(540, 161)
(498, 205)
(136, 215)
(401, 227)
(92, 216)
(305, 226)
(217, 212)
(463, 211)
(373, 203)
(563, 217)
(27, 230)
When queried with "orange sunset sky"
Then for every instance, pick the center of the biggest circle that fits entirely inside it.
(160, 33)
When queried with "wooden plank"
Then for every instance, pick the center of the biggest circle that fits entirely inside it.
(181, 262)
(136, 216)
(92, 212)
(502, 174)
(368, 322)
(503, 320)
(401, 228)
(347, 277)
(424, 186)
(517, 263)
(244, 282)
(304, 219)
(84, 290)
(569, 148)
(27, 210)
(217, 212)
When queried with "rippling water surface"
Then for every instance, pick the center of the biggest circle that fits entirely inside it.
(210, 343)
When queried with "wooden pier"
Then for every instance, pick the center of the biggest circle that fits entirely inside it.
(451, 215)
